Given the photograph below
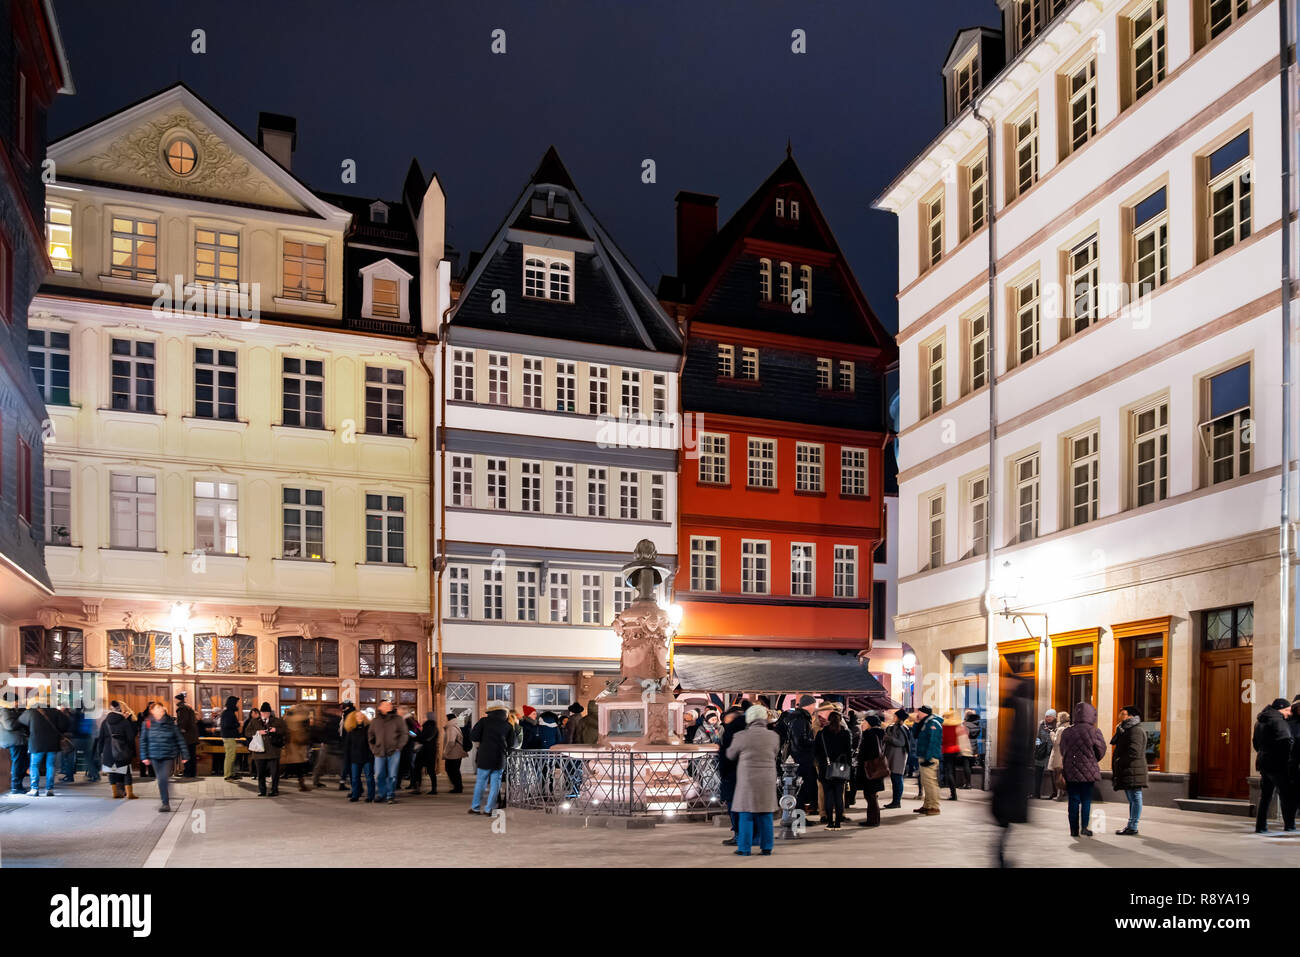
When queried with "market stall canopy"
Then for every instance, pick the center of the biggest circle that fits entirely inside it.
(774, 671)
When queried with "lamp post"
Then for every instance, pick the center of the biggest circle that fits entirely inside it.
(909, 669)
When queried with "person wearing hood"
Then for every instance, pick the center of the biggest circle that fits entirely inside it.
(114, 749)
(453, 752)
(326, 734)
(976, 734)
(1128, 764)
(1082, 748)
(188, 723)
(708, 730)
(871, 748)
(733, 721)
(898, 748)
(13, 738)
(45, 729)
(230, 722)
(1043, 752)
(270, 729)
(388, 736)
(590, 725)
(1273, 747)
(161, 743)
(1054, 762)
(755, 751)
(493, 735)
(356, 755)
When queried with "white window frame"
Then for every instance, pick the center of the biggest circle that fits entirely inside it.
(566, 387)
(565, 485)
(558, 607)
(854, 472)
(532, 379)
(216, 517)
(809, 467)
(1083, 472)
(714, 466)
(458, 592)
(304, 508)
(1027, 334)
(58, 503)
(629, 495)
(1152, 35)
(726, 362)
(1026, 497)
(803, 569)
(498, 484)
(526, 594)
(548, 274)
(934, 529)
(630, 393)
(598, 390)
(1082, 285)
(765, 280)
(592, 598)
(391, 519)
(755, 566)
(530, 486)
(706, 561)
(462, 481)
(462, 375)
(494, 588)
(597, 491)
(846, 571)
(498, 376)
(1149, 446)
(760, 469)
(1081, 104)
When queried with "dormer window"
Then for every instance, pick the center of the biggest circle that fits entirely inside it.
(548, 274)
(379, 213)
(386, 291)
(548, 206)
(765, 280)
(965, 82)
(794, 210)
(780, 208)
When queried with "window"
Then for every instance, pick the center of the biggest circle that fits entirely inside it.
(564, 485)
(965, 83)
(597, 493)
(53, 647)
(385, 401)
(847, 376)
(932, 355)
(550, 696)
(624, 595)
(181, 156)
(494, 608)
(977, 505)
(379, 213)
(214, 384)
(749, 364)
(824, 374)
(1147, 50)
(704, 563)
(780, 207)
(139, 650)
(532, 383)
(794, 210)
(1149, 455)
(807, 467)
(1151, 242)
(303, 392)
(1024, 152)
(631, 394)
(846, 571)
(977, 352)
(597, 390)
(497, 490)
(762, 463)
(558, 598)
(566, 387)
(503, 692)
(726, 362)
(1075, 674)
(765, 280)
(658, 499)
(1082, 282)
(629, 495)
(1226, 404)
(498, 378)
(548, 276)
(49, 355)
(387, 659)
(786, 279)
(304, 272)
(216, 257)
(977, 194)
(591, 599)
(659, 396)
(934, 529)
(1228, 628)
(58, 237)
(803, 569)
(58, 506)
(1221, 14)
(1025, 491)
(754, 567)
(462, 375)
(933, 210)
(526, 595)
(805, 283)
(879, 601)
(303, 521)
(216, 517)
(458, 591)
(1229, 194)
(1084, 472)
(534, 278)
(713, 458)
(385, 298)
(1081, 96)
(853, 472)
(369, 698)
(530, 486)
(1024, 302)
(225, 654)
(385, 529)
(462, 481)
(135, 248)
(134, 506)
(132, 368)
(1140, 680)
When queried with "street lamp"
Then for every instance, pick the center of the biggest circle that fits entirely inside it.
(909, 669)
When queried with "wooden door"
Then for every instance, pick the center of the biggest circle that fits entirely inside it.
(1225, 750)
(137, 694)
(212, 697)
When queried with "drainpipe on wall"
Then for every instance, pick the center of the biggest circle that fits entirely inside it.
(990, 518)
(441, 561)
(1286, 641)
(421, 343)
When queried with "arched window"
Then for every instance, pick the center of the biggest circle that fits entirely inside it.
(309, 657)
(387, 659)
(785, 283)
(139, 650)
(535, 278)
(765, 280)
(561, 281)
(235, 655)
(52, 647)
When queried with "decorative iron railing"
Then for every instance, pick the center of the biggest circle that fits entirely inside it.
(615, 783)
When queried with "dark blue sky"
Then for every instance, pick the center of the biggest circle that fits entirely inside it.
(709, 89)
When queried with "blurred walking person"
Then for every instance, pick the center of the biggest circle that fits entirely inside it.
(1054, 761)
(13, 738)
(161, 743)
(755, 751)
(230, 728)
(188, 724)
(426, 758)
(1273, 746)
(733, 721)
(1082, 748)
(956, 753)
(1128, 764)
(1011, 788)
(114, 749)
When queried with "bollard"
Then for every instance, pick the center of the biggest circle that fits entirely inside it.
(790, 782)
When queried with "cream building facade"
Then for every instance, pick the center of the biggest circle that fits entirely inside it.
(1131, 495)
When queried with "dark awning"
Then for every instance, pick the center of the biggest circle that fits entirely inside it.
(773, 671)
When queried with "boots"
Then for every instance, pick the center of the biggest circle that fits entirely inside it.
(130, 793)
(117, 790)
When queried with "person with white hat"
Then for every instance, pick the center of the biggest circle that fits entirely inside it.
(495, 737)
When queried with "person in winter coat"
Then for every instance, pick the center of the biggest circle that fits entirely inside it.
(161, 743)
(800, 740)
(13, 738)
(230, 728)
(453, 752)
(45, 729)
(493, 736)
(976, 732)
(834, 748)
(733, 721)
(573, 730)
(297, 745)
(898, 748)
(426, 759)
(188, 723)
(1043, 752)
(956, 753)
(590, 725)
(929, 748)
(528, 724)
(270, 729)
(1293, 769)
(1128, 764)
(755, 751)
(388, 735)
(1273, 748)
(1054, 761)
(708, 729)
(871, 748)
(329, 756)
(1082, 748)
(356, 755)
(548, 731)
(114, 749)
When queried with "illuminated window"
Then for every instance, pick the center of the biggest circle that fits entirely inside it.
(181, 156)
(303, 514)
(58, 236)
(216, 257)
(304, 277)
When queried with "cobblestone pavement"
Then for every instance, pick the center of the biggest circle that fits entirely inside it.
(219, 824)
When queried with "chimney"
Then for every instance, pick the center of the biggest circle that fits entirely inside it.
(697, 224)
(277, 135)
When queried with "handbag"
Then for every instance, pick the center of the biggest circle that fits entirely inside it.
(256, 745)
(836, 770)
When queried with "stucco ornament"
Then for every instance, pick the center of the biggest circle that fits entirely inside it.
(225, 625)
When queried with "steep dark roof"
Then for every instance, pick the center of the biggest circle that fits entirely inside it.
(398, 234)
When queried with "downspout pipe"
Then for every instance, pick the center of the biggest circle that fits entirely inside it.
(1285, 624)
(422, 343)
(991, 511)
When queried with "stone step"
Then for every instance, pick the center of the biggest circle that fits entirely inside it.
(1217, 806)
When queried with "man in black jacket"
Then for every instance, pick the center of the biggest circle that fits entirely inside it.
(733, 720)
(231, 722)
(188, 723)
(494, 737)
(799, 736)
(426, 759)
(45, 730)
(1273, 744)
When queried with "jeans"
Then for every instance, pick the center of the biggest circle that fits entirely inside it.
(68, 765)
(749, 823)
(386, 775)
(483, 779)
(356, 770)
(48, 757)
(18, 761)
(896, 782)
(452, 766)
(1269, 781)
(163, 769)
(1134, 796)
(231, 746)
(1080, 809)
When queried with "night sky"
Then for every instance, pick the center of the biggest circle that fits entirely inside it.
(709, 89)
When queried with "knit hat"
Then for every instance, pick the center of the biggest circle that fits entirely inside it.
(926, 709)
(804, 701)
(266, 708)
(530, 712)
(575, 707)
(901, 714)
(873, 720)
(1050, 713)
(1280, 703)
(755, 713)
